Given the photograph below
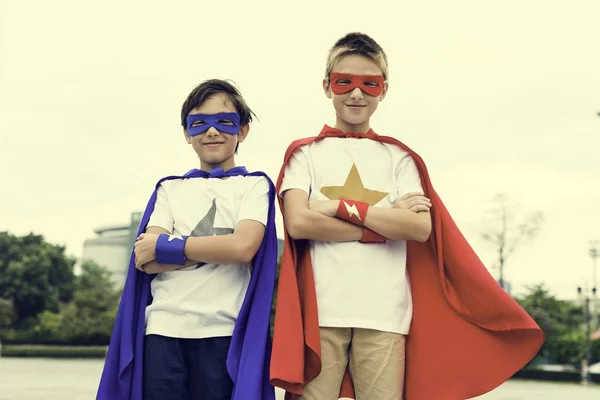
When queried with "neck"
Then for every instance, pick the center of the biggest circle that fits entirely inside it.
(346, 127)
(226, 165)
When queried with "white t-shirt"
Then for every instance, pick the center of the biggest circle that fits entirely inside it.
(358, 285)
(200, 302)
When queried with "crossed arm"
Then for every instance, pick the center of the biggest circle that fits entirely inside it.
(408, 219)
(236, 248)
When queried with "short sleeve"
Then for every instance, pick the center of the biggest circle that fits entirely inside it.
(407, 176)
(255, 204)
(296, 174)
(161, 215)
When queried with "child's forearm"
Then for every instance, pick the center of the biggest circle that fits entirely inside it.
(222, 249)
(237, 248)
(313, 225)
(399, 224)
(154, 268)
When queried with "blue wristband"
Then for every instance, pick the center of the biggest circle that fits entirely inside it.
(170, 249)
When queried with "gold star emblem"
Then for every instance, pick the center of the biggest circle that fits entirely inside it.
(353, 189)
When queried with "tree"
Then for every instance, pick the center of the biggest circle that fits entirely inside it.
(88, 319)
(274, 301)
(91, 315)
(44, 302)
(562, 322)
(7, 315)
(35, 275)
(506, 234)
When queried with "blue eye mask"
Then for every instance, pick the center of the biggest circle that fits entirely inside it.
(223, 122)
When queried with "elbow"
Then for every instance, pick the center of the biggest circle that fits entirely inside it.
(245, 258)
(423, 234)
(294, 228)
(245, 254)
(150, 269)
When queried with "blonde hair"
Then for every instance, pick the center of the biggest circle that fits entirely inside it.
(357, 43)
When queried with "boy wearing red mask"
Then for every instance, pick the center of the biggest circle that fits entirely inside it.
(405, 307)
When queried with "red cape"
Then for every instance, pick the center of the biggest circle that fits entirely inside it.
(467, 336)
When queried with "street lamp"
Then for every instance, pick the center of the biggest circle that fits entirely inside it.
(587, 356)
(589, 296)
(594, 253)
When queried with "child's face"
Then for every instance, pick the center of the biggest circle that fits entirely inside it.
(215, 148)
(354, 108)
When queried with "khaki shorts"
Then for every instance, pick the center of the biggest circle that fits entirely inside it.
(376, 364)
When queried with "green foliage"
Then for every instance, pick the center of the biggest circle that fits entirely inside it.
(88, 318)
(45, 303)
(562, 321)
(91, 315)
(7, 316)
(274, 302)
(35, 275)
(54, 351)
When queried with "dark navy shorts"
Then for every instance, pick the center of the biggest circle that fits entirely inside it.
(186, 369)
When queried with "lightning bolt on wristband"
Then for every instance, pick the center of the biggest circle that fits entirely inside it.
(170, 249)
(352, 211)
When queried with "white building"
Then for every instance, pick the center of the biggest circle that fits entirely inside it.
(111, 248)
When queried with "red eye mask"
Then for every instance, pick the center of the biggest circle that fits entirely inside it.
(344, 83)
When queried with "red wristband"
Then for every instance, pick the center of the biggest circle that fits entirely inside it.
(370, 236)
(352, 211)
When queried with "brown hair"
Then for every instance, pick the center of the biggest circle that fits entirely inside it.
(209, 88)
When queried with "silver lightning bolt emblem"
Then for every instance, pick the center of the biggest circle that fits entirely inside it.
(352, 210)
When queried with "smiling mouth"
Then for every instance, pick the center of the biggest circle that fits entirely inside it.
(214, 144)
(355, 105)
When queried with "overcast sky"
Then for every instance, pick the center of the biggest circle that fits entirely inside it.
(497, 98)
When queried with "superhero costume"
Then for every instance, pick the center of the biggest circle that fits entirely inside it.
(250, 349)
(467, 335)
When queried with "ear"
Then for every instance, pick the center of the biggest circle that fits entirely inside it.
(385, 89)
(187, 137)
(327, 87)
(243, 133)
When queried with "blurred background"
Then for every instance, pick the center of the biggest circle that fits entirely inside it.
(501, 100)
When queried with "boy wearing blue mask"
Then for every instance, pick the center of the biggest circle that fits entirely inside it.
(193, 322)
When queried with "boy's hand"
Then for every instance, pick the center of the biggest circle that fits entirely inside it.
(145, 249)
(414, 201)
(325, 207)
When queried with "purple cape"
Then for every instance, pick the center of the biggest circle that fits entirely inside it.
(250, 351)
